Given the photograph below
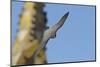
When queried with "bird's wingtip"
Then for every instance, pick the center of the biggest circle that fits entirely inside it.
(67, 14)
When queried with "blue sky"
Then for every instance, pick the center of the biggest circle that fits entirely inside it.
(75, 41)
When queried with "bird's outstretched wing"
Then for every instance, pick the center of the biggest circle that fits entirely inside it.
(49, 33)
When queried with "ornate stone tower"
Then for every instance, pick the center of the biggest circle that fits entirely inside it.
(32, 25)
